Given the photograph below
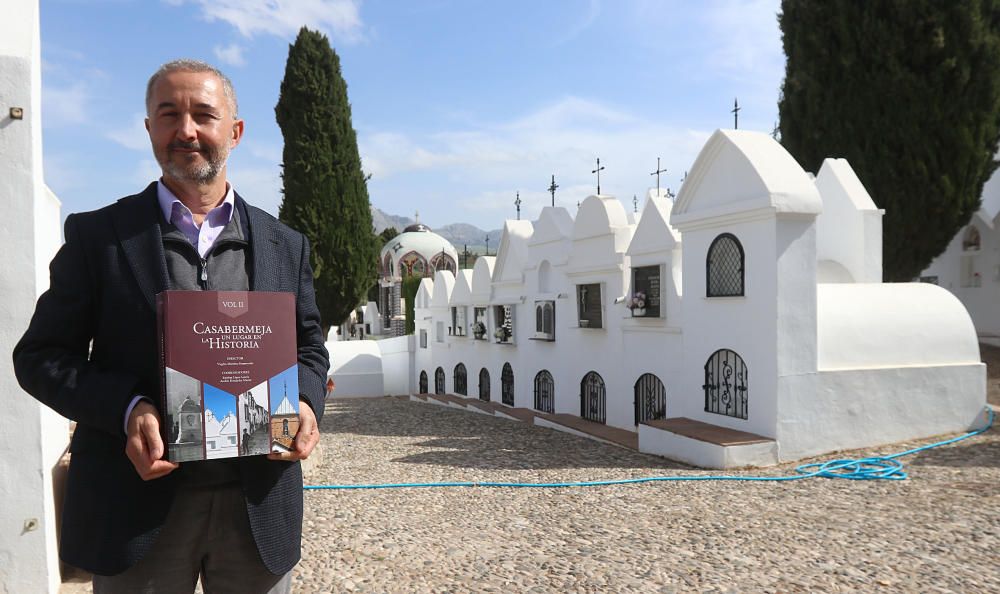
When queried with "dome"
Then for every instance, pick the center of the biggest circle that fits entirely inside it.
(416, 251)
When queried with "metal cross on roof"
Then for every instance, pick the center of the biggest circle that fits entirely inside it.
(517, 203)
(657, 174)
(487, 245)
(552, 189)
(635, 201)
(598, 172)
(736, 114)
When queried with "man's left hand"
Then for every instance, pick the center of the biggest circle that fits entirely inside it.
(305, 439)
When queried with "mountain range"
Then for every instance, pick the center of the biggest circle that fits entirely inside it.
(458, 234)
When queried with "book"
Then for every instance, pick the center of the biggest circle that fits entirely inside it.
(229, 373)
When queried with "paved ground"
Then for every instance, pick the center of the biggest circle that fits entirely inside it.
(939, 531)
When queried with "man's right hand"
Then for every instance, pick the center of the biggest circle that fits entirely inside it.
(144, 445)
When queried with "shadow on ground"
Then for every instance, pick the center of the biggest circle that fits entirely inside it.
(463, 439)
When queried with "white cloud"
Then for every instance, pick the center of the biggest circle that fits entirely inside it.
(746, 40)
(340, 19)
(479, 170)
(133, 136)
(231, 54)
(65, 105)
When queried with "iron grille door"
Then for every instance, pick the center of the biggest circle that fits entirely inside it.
(544, 392)
(484, 385)
(726, 384)
(461, 380)
(650, 399)
(507, 385)
(423, 382)
(592, 398)
(439, 381)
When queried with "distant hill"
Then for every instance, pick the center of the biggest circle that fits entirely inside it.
(459, 234)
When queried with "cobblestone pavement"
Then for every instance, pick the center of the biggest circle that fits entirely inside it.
(939, 531)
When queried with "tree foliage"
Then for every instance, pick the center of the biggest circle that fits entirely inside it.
(908, 91)
(408, 292)
(325, 190)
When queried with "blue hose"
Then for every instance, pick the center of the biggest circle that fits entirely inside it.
(873, 468)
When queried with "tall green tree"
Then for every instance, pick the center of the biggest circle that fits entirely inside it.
(325, 190)
(908, 91)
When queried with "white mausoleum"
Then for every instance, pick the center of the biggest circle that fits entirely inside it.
(750, 308)
(970, 265)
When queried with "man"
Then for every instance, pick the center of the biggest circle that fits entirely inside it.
(135, 520)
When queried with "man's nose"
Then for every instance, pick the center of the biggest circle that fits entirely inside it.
(187, 130)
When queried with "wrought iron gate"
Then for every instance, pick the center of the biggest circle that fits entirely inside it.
(484, 385)
(592, 398)
(439, 381)
(461, 380)
(545, 390)
(423, 382)
(726, 384)
(650, 398)
(507, 385)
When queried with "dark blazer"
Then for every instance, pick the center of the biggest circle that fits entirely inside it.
(101, 299)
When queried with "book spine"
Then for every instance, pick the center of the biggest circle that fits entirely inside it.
(162, 354)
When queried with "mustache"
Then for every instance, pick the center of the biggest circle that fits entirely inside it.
(188, 146)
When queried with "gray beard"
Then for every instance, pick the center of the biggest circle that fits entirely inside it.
(202, 174)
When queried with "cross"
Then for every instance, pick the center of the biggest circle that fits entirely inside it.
(487, 245)
(416, 216)
(517, 203)
(598, 172)
(685, 176)
(635, 201)
(552, 189)
(657, 174)
(465, 252)
(736, 114)
(776, 131)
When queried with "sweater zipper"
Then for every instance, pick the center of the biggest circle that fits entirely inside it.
(203, 274)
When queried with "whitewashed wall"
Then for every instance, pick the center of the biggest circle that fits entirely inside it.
(29, 228)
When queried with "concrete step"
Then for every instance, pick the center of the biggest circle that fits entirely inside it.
(584, 428)
(706, 445)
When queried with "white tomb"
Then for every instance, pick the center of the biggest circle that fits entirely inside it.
(752, 305)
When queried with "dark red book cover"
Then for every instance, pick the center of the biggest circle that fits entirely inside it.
(229, 383)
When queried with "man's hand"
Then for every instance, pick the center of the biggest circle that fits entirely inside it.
(143, 444)
(305, 439)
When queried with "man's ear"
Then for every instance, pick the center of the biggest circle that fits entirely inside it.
(237, 133)
(146, 122)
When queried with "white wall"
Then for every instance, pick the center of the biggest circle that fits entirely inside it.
(834, 410)
(397, 363)
(356, 366)
(29, 228)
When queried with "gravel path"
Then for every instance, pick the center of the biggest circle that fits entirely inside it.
(939, 531)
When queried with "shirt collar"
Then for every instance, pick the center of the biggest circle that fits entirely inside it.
(167, 200)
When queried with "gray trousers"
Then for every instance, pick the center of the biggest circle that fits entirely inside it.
(207, 535)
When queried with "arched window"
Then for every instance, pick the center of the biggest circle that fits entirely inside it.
(545, 391)
(284, 422)
(507, 385)
(461, 380)
(484, 385)
(442, 261)
(650, 399)
(439, 381)
(593, 397)
(724, 267)
(423, 382)
(971, 241)
(387, 265)
(726, 384)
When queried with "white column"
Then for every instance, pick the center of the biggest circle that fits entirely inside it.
(34, 437)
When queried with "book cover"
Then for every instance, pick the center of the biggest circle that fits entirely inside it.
(229, 383)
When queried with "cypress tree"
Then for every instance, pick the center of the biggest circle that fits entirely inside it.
(908, 91)
(325, 190)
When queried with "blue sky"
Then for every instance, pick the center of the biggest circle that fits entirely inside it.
(219, 402)
(458, 104)
(286, 382)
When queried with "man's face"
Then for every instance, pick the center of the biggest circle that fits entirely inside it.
(191, 126)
